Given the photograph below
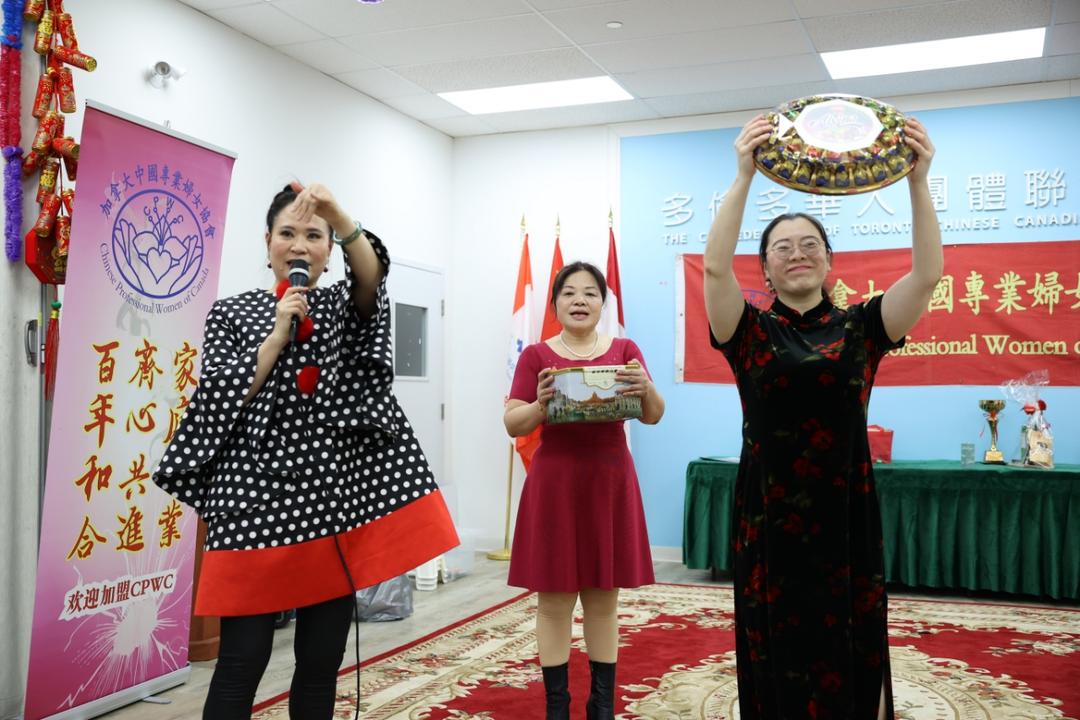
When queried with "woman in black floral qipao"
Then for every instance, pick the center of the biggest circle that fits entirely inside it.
(810, 604)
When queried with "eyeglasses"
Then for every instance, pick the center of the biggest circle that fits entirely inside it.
(809, 246)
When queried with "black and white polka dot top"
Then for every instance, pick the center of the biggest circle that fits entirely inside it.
(291, 466)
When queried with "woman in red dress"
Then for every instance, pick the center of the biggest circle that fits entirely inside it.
(580, 528)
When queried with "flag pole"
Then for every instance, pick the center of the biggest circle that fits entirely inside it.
(504, 553)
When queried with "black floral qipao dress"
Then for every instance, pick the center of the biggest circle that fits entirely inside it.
(319, 469)
(810, 603)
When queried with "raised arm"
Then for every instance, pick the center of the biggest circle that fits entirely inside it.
(723, 297)
(907, 299)
(316, 199)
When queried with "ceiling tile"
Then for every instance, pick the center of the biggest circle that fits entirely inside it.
(206, 5)
(1063, 67)
(649, 18)
(338, 18)
(562, 4)
(424, 107)
(598, 114)
(757, 98)
(380, 83)
(685, 57)
(926, 22)
(327, 55)
(501, 70)
(518, 34)
(701, 48)
(1064, 39)
(1067, 11)
(946, 80)
(266, 24)
(821, 8)
(726, 76)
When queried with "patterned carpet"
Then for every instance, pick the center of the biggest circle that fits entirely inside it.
(951, 661)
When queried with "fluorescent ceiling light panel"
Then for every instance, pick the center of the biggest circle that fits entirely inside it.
(935, 54)
(560, 93)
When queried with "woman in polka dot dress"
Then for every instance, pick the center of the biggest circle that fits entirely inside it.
(299, 459)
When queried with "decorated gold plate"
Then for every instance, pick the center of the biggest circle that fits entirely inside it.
(835, 144)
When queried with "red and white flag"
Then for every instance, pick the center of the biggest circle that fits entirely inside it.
(521, 333)
(611, 318)
(552, 326)
(528, 444)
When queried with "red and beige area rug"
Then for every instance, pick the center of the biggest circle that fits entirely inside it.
(951, 661)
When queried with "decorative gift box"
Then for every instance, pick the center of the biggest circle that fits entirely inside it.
(588, 394)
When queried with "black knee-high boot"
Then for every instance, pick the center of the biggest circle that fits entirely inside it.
(558, 693)
(601, 705)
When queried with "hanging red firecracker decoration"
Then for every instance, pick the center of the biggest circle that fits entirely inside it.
(56, 40)
(52, 343)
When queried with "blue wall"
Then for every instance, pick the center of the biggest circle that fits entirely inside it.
(930, 422)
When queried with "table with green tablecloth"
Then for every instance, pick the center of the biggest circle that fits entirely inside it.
(946, 525)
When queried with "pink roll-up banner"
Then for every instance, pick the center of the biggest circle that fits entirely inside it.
(113, 598)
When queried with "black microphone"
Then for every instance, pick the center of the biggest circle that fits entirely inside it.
(298, 277)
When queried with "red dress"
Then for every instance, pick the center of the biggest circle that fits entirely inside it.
(580, 522)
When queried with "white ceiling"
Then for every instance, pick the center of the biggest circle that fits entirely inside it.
(676, 57)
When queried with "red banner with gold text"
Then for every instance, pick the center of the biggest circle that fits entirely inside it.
(1000, 311)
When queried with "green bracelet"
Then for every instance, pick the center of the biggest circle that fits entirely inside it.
(351, 236)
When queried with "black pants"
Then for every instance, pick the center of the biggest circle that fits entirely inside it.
(246, 641)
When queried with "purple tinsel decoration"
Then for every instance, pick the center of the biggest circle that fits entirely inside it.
(13, 202)
(12, 41)
(13, 22)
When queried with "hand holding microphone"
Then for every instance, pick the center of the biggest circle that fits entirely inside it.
(298, 277)
(292, 308)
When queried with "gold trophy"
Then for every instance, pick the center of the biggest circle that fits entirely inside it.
(993, 456)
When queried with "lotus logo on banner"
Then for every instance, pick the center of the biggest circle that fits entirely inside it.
(159, 233)
(157, 243)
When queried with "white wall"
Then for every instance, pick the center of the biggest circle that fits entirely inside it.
(574, 173)
(283, 120)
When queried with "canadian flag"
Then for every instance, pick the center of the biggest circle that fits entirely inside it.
(521, 334)
(552, 326)
(611, 318)
(528, 444)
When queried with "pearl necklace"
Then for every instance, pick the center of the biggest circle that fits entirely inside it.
(575, 353)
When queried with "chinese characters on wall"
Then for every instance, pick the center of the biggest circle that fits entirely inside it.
(981, 202)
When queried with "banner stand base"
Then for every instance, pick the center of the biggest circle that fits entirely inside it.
(119, 699)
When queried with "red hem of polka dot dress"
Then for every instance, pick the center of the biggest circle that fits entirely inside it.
(252, 582)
